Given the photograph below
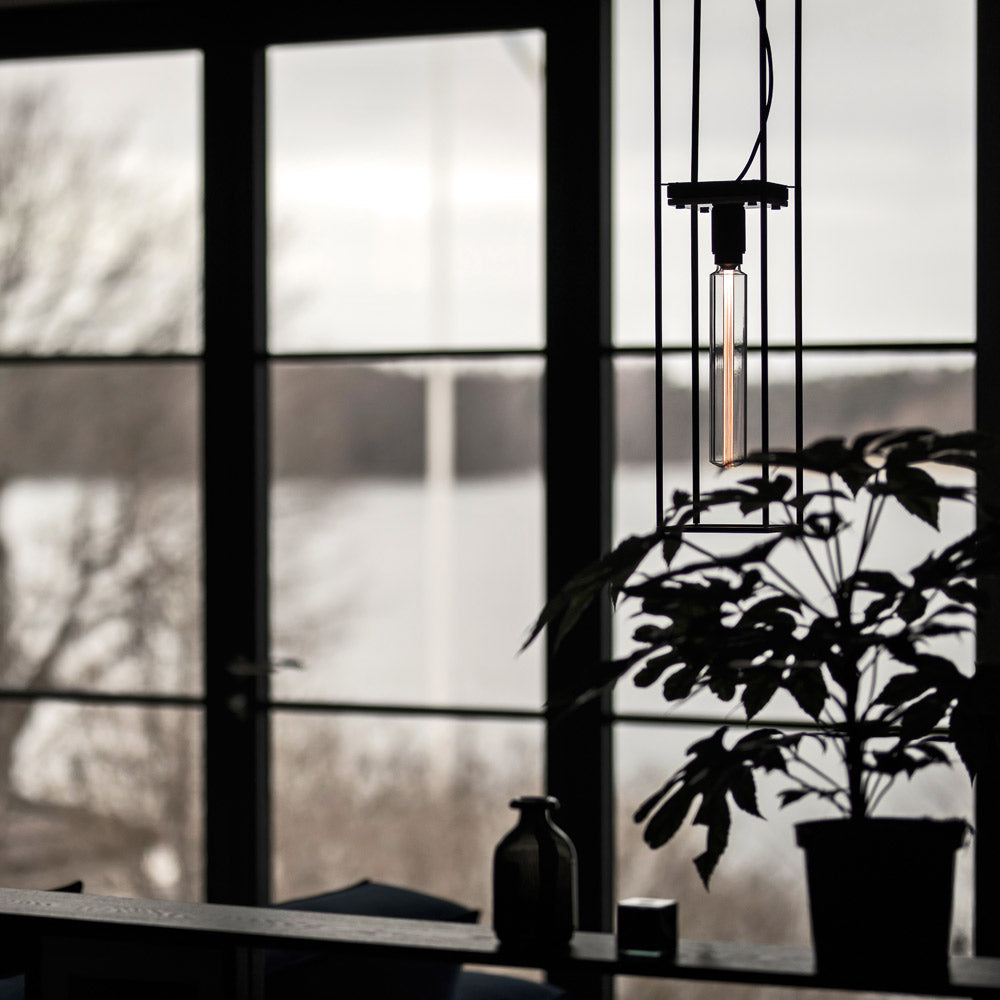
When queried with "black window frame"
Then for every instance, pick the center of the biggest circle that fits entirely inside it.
(578, 356)
(235, 367)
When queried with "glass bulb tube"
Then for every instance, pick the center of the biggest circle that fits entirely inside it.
(727, 354)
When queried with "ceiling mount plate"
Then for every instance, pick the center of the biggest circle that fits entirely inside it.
(688, 194)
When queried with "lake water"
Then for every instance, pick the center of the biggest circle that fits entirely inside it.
(392, 592)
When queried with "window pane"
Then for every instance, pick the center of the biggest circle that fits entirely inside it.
(845, 394)
(849, 393)
(632, 171)
(758, 891)
(405, 193)
(406, 532)
(100, 547)
(634, 988)
(739, 907)
(888, 141)
(420, 803)
(111, 796)
(888, 146)
(101, 237)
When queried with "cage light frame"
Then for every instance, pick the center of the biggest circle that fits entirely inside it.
(700, 196)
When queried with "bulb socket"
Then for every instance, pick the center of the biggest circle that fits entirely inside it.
(729, 234)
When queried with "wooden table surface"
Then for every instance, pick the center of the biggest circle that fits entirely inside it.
(37, 914)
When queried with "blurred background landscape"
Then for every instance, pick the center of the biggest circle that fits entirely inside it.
(406, 530)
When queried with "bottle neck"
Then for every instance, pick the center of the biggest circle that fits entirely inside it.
(534, 814)
(535, 809)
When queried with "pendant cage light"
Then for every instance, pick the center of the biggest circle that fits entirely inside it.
(727, 201)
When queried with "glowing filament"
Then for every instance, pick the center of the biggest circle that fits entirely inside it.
(728, 371)
(727, 361)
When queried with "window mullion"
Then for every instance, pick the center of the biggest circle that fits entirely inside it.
(578, 426)
(986, 916)
(235, 403)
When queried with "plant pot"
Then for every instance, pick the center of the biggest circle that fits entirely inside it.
(880, 896)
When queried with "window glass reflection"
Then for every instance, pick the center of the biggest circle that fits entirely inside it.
(108, 795)
(758, 891)
(100, 245)
(845, 394)
(100, 541)
(406, 532)
(888, 144)
(405, 193)
(415, 802)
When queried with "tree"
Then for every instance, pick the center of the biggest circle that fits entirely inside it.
(98, 513)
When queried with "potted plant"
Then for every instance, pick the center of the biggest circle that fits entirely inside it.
(801, 609)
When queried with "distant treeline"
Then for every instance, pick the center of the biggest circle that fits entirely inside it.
(337, 421)
(832, 406)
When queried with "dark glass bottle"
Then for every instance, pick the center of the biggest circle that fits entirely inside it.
(534, 879)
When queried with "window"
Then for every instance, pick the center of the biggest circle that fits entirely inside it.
(99, 505)
(359, 410)
(377, 421)
(405, 180)
(889, 333)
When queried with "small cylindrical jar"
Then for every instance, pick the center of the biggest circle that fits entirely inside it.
(535, 879)
(727, 353)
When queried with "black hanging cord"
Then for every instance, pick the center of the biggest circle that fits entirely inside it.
(763, 108)
(695, 353)
(657, 265)
(770, 94)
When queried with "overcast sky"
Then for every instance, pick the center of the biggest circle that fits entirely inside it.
(406, 176)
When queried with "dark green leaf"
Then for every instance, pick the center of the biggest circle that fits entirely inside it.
(903, 688)
(922, 716)
(916, 490)
(912, 606)
(722, 684)
(678, 685)
(667, 819)
(895, 761)
(877, 609)
(933, 752)
(775, 488)
(651, 801)
(963, 592)
(616, 567)
(864, 443)
(974, 725)
(671, 546)
(766, 610)
(761, 683)
(651, 635)
(901, 648)
(790, 795)
(577, 689)
(934, 631)
(806, 499)
(908, 758)
(967, 737)
(565, 608)
(823, 525)
(892, 440)
(715, 815)
(807, 687)
(830, 457)
(762, 748)
(760, 493)
(744, 790)
(879, 581)
(654, 669)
